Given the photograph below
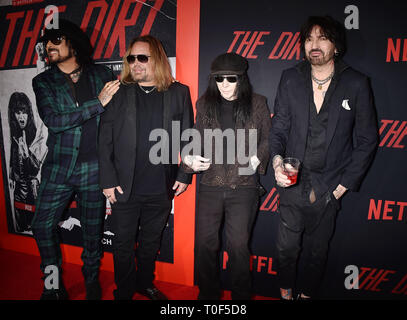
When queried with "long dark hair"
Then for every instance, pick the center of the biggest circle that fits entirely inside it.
(82, 50)
(76, 39)
(19, 101)
(330, 28)
(242, 106)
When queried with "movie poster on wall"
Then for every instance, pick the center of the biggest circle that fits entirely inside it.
(110, 25)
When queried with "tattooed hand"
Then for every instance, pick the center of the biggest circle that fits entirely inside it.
(108, 92)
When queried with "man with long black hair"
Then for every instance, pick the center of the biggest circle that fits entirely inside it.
(323, 116)
(229, 187)
(70, 96)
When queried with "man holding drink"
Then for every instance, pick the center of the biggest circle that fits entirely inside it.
(325, 125)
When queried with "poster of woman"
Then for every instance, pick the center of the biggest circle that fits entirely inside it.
(25, 159)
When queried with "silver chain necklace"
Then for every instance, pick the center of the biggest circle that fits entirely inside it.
(145, 90)
(320, 83)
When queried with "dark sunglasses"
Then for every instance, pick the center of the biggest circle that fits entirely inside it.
(131, 58)
(55, 40)
(231, 79)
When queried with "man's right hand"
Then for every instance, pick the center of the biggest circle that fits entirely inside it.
(109, 193)
(281, 179)
(197, 163)
(108, 92)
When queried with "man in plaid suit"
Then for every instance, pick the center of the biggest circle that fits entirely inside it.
(70, 97)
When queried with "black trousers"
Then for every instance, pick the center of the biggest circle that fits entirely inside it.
(147, 217)
(237, 208)
(304, 233)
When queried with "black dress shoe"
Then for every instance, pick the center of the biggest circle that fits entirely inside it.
(202, 296)
(59, 294)
(152, 293)
(120, 296)
(300, 297)
(93, 291)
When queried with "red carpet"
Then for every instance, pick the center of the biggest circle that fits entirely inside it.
(20, 279)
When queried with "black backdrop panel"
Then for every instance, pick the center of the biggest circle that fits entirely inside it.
(371, 227)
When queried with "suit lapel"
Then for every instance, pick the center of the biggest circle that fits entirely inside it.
(304, 94)
(92, 79)
(63, 88)
(166, 110)
(94, 83)
(129, 111)
(334, 101)
(131, 102)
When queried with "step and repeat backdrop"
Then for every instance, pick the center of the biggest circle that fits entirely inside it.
(370, 236)
(110, 25)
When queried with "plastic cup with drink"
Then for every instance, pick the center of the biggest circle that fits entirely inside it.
(290, 167)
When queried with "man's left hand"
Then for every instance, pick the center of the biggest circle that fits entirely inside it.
(339, 191)
(179, 187)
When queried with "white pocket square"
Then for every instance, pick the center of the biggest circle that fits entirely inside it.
(345, 104)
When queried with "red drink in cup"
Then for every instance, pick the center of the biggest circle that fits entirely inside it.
(291, 167)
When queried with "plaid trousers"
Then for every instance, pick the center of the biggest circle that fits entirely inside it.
(53, 199)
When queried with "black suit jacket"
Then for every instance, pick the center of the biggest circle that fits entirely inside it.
(352, 132)
(117, 137)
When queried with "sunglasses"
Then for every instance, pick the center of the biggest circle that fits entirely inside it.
(231, 79)
(131, 58)
(55, 40)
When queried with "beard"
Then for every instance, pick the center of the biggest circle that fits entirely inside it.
(141, 74)
(320, 60)
(58, 58)
(139, 77)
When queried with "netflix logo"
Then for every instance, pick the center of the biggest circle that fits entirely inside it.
(286, 46)
(374, 279)
(386, 210)
(257, 263)
(396, 50)
(392, 133)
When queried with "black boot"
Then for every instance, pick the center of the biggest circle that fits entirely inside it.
(152, 293)
(93, 291)
(57, 291)
(55, 294)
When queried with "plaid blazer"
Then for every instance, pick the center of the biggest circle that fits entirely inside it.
(63, 117)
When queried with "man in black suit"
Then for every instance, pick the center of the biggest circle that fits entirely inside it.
(324, 116)
(140, 188)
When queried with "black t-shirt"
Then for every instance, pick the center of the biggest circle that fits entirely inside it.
(227, 121)
(149, 178)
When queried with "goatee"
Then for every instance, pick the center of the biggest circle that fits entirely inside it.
(58, 58)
